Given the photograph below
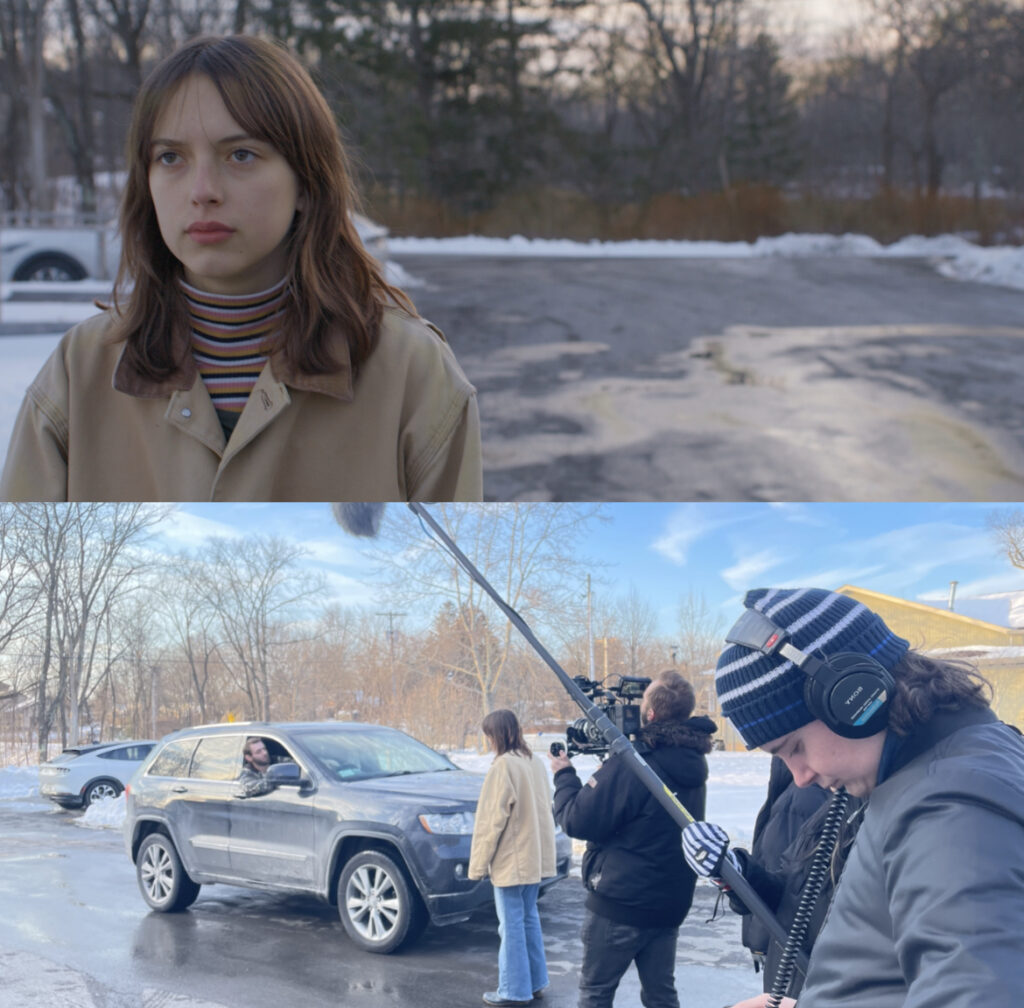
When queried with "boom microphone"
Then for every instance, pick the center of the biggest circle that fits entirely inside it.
(359, 519)
(364, 520)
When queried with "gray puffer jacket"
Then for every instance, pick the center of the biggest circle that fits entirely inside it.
(929, 912)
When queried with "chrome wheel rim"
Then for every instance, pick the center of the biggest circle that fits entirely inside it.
(157, 872)
(100, 791)
(372, 903)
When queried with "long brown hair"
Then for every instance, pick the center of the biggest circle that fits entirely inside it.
(925, 686)
(335, 283)
(503, 729)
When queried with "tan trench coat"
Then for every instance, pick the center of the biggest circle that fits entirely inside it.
(514, 836)
(91, 428)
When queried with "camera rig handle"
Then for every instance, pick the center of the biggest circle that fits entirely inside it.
(618, 744)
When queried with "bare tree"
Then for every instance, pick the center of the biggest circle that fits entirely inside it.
(639, 621)
(23, 37)
(19, 593)
(193, 625)
(700, 642)
(1008, 527)
(261, 598)
(527, 551)
(83, 558)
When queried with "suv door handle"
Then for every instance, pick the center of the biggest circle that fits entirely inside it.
(179, 789)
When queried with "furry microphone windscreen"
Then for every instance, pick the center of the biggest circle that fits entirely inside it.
(359, 519)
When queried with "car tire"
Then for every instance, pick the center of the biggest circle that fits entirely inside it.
(163, 881)
(100, 790)
(378, 904)
(50, 266)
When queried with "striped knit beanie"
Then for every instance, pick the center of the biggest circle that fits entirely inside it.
(763, 695)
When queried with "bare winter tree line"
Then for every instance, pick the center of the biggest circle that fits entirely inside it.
(569, 116)
(102, 635)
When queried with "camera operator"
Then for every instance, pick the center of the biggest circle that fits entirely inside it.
(639, 887)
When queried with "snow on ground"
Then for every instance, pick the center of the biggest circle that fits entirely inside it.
(21, 356)
(736, 787)
(959, 258)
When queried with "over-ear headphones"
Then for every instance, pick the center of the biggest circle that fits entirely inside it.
(848, 691)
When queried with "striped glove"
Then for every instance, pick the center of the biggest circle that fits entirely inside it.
(706, 847)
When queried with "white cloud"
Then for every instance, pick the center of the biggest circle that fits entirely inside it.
(748, 569)
(183, 530)
(346, 590)
(688, 524)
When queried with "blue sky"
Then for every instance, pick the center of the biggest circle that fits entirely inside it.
(717, 550)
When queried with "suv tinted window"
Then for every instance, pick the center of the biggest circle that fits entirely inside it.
(174, 759)
(218, 758)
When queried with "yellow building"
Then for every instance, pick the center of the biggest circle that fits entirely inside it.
(996, 651)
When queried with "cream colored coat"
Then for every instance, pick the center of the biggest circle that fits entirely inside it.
(514, 837)
(405, 428)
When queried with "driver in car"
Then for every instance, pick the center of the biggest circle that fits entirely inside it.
(255, 759)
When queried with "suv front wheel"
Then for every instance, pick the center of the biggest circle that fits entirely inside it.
(165, 884)
(379, 907)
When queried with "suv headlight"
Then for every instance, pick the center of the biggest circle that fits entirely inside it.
(448, 823)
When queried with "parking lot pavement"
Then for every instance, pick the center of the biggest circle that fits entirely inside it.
(712, 970)
(740, 379)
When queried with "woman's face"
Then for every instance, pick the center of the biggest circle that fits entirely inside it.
(816, 755)
(224, 200)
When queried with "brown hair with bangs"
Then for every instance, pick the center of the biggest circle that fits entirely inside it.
(335, 283)
(505, 734)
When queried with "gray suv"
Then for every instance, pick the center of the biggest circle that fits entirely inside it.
(360, 815)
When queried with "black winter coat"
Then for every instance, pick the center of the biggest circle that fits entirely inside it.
(633, 868)
(779, 875)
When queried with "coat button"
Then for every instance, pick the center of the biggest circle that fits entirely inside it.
(186, 412)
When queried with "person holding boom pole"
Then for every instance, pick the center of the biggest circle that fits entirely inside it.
(929, 911)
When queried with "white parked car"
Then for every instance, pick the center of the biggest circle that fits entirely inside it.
(44, 253)
(83, 774)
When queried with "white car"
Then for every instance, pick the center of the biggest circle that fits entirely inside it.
(83, 774)
(40, 254)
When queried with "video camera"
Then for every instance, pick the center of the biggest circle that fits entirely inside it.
(621, 703)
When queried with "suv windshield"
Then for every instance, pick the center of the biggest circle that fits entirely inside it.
(362, 755)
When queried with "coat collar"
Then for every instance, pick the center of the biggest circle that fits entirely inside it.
(337, 384)
(899, 750)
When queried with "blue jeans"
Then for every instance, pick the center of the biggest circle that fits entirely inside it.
(522, 968)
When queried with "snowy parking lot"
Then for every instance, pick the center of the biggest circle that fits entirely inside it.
(798, 368)
(77, 934)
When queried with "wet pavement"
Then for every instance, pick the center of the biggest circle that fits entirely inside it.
(76, 934)
(737, 379)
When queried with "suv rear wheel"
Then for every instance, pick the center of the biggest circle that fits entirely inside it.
(379, 907)
(165, 884)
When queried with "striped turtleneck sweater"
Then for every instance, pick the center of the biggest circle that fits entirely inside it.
(231, 339)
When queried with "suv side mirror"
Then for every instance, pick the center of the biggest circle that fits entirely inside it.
(279, 774)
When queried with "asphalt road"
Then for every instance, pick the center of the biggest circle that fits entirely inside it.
(75, 933)
(735, 379)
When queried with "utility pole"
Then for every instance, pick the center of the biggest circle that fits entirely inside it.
(153, 704)
(590, 632)
(391, 646)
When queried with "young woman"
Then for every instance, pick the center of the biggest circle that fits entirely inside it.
(930, 906)
(514, 843)
(254, 350)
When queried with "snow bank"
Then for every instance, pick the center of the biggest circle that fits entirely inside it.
(19, 781)
(736, 787)
(956, 257)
